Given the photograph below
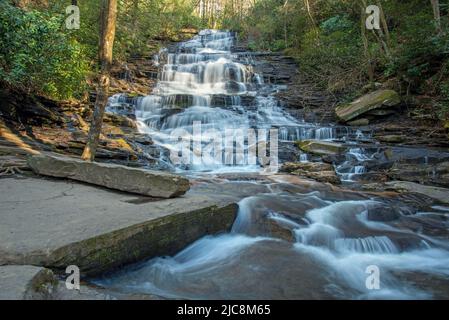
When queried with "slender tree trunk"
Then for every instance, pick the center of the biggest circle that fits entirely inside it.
(312, 19)
(107, 35)
(383, 20)
(285, 23)
(309, 12)
(370, 69)
(436, 14)
(135, 17)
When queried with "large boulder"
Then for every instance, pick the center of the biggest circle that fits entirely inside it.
(380, 99)
(319, 147)
(147, 182)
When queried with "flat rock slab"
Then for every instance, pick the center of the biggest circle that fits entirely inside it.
(57, 223)
(146, 182)
(375, 100)
(319, 147)
(26, 282)
(440, 194)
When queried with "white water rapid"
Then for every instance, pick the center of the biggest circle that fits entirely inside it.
(285, 243)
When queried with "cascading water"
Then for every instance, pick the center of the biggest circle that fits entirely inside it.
(284, 244)
(202, 82)
(332, 246)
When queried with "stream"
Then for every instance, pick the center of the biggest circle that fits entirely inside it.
(288, 242)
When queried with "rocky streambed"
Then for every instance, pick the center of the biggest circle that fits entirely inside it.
(294, 238)
(352, 192)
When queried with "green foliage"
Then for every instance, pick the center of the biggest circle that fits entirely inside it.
(337, 23)
(337, 62)
(38, 54)
(140, 21)
(417, 48)
(327, 41)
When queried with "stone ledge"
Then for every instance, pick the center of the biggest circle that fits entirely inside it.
(26, 283)
(56, 223)
(147, 182)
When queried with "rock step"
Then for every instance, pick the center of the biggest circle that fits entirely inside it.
(146, 182)
(23, 282)
(440, 194)
(320, 147)
(98, 229)
(384, 100)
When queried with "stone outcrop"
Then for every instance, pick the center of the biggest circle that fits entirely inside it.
(146, 182)
(437, 193)
(423, 173)
(392, 138)
(319, 147)
(322, 172)
(98, 230)
(379, 102)
(26, 283)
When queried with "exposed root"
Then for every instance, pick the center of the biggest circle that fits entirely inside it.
(8, 169)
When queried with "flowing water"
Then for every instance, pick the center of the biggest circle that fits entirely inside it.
(287, 242)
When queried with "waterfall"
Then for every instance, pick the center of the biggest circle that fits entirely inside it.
(201, 81)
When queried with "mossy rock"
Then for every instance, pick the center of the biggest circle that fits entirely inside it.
(375, 100)
(319, 147)
(392, 138)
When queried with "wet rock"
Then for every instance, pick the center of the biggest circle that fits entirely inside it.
(320, 147)
(373, 186)
(287, 151)
(177, 101)
(126, 107)
(142, 139)
(333, 158)
(369, 102)
(233, 86)
(150, 183)
(322, 172)
(119, 120)
(391, 138)
(276, 230)
(23, 282)
(381, 112)
(423, 173)
(382, 213)
(437, 193)
(323, 176)
(306, 166)
(223, 100)
(84, 293)
(359, 122)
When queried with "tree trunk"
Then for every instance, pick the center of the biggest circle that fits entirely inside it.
(370, 69)
(436, 14)
(107, 34)
(383, 20)
(285, 24)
